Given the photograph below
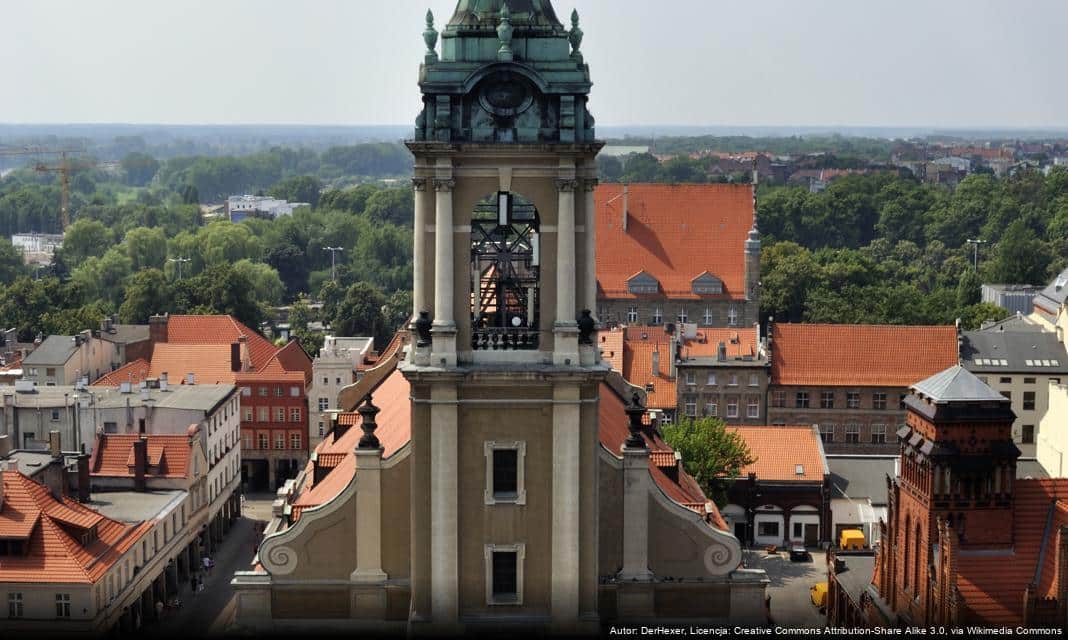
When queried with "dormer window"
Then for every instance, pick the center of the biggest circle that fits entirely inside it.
(643, 284)
(707, 284)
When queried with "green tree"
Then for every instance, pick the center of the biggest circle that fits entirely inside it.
(140, 168)
(360, 312)
(397, 310)
(711, 453)
(788, 273)
(103, 278)
(1021, 257)
(147, 293)
(298, 189)
(24, 303)
(85, 238)
(391, 205)
(968, 289)
(69, 321)
(11, 264)
(266, 285)
(147, 248)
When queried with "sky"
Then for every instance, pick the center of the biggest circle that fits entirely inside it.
(939, 63)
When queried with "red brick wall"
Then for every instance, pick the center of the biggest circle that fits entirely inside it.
(272, 427)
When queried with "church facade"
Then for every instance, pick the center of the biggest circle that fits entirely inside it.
(501, 474)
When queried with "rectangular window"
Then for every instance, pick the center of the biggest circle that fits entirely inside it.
(708, 315)
(778, 399)
(55, 415)
(246, 391)
(768, 529)
(279, 414)
(265, 442)
(732, 380)
(294, 392)
(1029, 401)
(658, 316)
(263, 414)
(62, 605)
(324, 404)
(878, 401)
(279, 441)
(682, 317)
(111, 427)
(294, 441)
(827, 432)
(14, 605)
(754, 380)
(801, 400)
(294, 414)
(279, 392)
(878, 434)
(50, 372)
(1028, 434)
(826, 400)
(505, 577)
(852, 433)
(1006, 380)
(632, 314)
(504, 472)
(1029, 380)
(322, 430)
(248, 414)
(263, 392)
(246, 440)
(732, 407)
(691, 408)
(732, 317)
(711, 409)
(711, 379)
(852, 400)
(691, 378)
(752, 407)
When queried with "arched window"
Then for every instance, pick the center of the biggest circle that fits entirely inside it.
(918, 557)
(908, 553)
(505, 264)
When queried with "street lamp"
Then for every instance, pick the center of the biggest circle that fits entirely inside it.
(179, 261)
(333, 261)
(976, 244)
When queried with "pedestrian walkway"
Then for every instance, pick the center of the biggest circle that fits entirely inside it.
(207, 612)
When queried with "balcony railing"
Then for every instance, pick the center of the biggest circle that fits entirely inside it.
(504, 339)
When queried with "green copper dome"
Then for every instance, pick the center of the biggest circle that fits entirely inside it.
(485, 14)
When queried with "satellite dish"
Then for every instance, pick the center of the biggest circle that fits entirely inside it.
(516, 321)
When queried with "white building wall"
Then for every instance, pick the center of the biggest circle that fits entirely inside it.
(1053, 435)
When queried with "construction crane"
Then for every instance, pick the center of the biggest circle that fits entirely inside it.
(64, 169)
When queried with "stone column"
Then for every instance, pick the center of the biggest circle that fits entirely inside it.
(635, 514)
(419, 297)
(565, 330)
(368, 517)
(444, 329)
(444, 547)
(590, 283)
(567, 444)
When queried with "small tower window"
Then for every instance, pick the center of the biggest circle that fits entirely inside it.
(504, 473)
(504, 574)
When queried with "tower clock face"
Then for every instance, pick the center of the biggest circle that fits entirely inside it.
(506, 94)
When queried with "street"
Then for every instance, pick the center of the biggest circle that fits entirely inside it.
(208, 613)
(791, 605)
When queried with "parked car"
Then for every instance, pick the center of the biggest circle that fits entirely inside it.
(798, 552)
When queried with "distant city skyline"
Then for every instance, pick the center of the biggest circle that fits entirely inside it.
(704, 63)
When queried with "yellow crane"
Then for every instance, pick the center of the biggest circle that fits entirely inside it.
(64, 169)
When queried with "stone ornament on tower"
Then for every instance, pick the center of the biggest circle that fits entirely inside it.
(367, 412)
(422, 329)
(586, 326)
(635, 412)
(444, 185)
(575, 36)
(566, 185)
(430, 37)
(504, 34)
(419, 184)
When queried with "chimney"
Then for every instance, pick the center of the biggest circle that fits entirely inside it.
(163, 381)
(5, 445)
(235, 356)
(157, 329)
(83, 476)
(55, 443)
(626, 203)
(722, 353)
(656, 363)
(190, 378)
(140, 463)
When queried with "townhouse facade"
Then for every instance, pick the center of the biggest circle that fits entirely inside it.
(332, 370)
(64, 360)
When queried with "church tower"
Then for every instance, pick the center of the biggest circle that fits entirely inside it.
(504, 373)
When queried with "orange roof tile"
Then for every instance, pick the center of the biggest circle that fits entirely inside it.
(612, 348)
(638, 366)
(674, 233)
(778, 451)
(209, 363)
(168, 456)
(859, 355)
(992, 584)
(740, 342)
(133, 372)
(219, 330)
(53, 554)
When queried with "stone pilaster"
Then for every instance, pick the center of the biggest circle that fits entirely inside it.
(565, 331)
(590, 222)
(444, 538)
(635, 515)
(368, 517)
(567, 445)
(444, 331)
(419, 290)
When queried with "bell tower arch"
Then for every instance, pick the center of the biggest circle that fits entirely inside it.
(504, 369)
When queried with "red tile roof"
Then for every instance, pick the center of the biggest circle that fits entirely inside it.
(612, 347)
(739, 342)
(29, 512)
(168, 456)
(774, 461)
(638, 365)
(133, 372)
(992, 584)
(674, 233)
(219, 330)
(859, 355)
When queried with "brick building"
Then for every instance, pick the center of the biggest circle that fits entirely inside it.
(851, 380)
(273, 381)
(965, 540)
(723, 373)
(677, 253)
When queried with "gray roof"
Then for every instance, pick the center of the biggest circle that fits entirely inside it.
(199, 397)
(861, 477)
(1052, 297)
(54, 350)
(856, 575)
(42, 396)
(30, 463)
(1017, 322)
(133, 506)
(956, 384)
(1013, 351)
(1030, 468)
(126, 333)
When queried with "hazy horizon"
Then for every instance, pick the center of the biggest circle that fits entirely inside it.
(825, 64)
